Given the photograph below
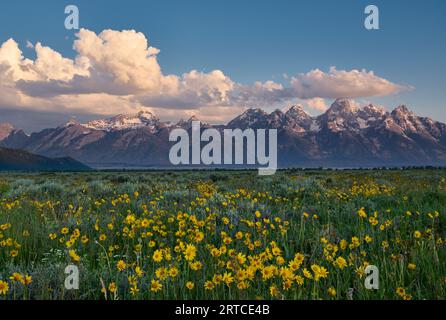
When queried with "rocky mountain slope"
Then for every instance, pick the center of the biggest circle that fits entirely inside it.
(12, 160)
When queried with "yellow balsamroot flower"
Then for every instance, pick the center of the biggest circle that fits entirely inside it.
(362, 213)
(199, 236)
(52, 236)
(243, 285)
(215, 252)
(307, 274)
(64, 231)
(340, 262)
(267, 273)
(155, 286)
(417, 234)
(190, 285)
(27, 280)
(74, 257)
(84, 239)
(209, 285)
(355, 243)
(400, 291)
(319, 272)
(299, 280)
(173, 272)
(112, 287)
(241, 258)
(190, 252)
(5, 226)
(121, 265)
(280, 260)
(293, 265)
(157, 256)
(276, 251)
(14, 253)
(139, 272)
(102, 237)
(373, 221)
(17, 277)
(411, 266)
(161, 273)
(273, 291)
(217, 279)
(4, 287)
(145, 223)
(228, 278)
(331, 292)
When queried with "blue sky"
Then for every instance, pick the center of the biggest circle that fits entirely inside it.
(262, 40)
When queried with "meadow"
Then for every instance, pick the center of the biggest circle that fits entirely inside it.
(223, 234)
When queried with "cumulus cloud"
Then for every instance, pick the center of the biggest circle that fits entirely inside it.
(341, 83)
(317, 104)
(118, 72)
(193, 90)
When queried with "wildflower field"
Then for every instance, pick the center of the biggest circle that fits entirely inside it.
(223, 235)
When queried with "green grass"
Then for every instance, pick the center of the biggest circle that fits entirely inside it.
(318, 211)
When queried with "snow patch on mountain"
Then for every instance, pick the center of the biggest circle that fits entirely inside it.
(122, 122)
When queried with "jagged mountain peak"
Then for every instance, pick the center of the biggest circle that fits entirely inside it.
(187, 124)
(5, 129)
(143, 118)
(71, 122)
(343, 105)
(254, 112)
(6, 125)
(375, 108)
(297, 112)
(402, 110)
(146, 116)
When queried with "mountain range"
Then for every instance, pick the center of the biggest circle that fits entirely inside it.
(344, 136)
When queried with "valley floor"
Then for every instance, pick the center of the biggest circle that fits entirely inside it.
(223, 234)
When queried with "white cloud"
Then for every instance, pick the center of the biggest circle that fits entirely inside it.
(317, 104)
(118, 72)
(341, 83)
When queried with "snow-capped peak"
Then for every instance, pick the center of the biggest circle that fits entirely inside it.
(71, 122)
(343, 105)
(376, 109)
(297, 112)
(144, 118)
(401, 110)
